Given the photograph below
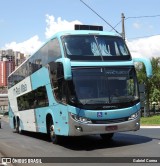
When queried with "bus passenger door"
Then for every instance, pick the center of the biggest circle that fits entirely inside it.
(61, 119)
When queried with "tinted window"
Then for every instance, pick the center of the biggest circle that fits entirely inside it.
(95, 47)
(53, 50)
(114, 86)
(48, 53)
(58, 82)
(34, 99)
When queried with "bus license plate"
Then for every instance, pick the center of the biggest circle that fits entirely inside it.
(111, 128)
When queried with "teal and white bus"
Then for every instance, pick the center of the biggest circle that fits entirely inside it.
(80, 82)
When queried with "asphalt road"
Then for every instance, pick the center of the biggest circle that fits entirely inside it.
(142, 144)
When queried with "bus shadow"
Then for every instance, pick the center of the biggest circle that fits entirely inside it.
(36, 135)
(94, 142)
(90, 143)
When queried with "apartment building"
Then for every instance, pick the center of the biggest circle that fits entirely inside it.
(9, 60)
(6, 67)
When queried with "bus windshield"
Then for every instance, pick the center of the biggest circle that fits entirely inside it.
(104, 85)
(94, 45)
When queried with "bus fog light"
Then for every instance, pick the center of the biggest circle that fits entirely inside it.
(134, 116)
(79, 128)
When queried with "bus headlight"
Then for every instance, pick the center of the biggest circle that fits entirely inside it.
(80, 119)
(134, 116)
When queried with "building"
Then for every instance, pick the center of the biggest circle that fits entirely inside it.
(9, 54)
(3, 100)
(6, 68)
(7, 65)
(13, 56)
(19, 58)
(9, 60)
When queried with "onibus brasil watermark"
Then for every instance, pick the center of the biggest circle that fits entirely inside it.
(39, 160)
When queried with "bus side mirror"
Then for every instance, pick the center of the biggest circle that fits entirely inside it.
(66, 67)
(147, 64)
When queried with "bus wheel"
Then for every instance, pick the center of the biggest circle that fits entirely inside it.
(107, 136)
(0, 123)
(18, 127)
(54, 138)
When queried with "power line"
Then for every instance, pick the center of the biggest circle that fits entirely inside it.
(158, 15)
(149, 16)
(132, 17)
(99, 16)
(135, 17)
(116, 25)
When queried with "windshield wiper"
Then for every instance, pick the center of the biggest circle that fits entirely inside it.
(93, 101)
(87, 101)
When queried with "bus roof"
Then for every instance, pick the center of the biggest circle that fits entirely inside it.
(70, 32)
(83, 32)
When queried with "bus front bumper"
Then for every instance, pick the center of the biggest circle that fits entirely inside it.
(77, 128)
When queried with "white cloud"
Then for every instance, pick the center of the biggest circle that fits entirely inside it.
(54, 25)
(145, 47)
(27, 47)
(31, 45)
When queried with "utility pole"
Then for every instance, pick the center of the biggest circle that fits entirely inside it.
(123, 28)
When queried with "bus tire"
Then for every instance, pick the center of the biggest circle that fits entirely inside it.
(14, 122)
(18, 127)
(107, 136)
(53, 137)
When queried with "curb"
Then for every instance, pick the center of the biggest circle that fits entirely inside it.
(150, 127)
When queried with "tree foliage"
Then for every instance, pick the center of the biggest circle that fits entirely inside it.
(152, 85)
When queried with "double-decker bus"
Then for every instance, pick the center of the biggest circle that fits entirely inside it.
(80, 82)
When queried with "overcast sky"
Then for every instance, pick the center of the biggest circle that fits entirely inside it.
(26, 24)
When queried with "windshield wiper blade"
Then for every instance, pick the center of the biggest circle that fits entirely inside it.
(87, 101)
(93, 101)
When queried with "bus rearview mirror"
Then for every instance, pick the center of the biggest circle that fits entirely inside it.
(66, 67)
(147, 64)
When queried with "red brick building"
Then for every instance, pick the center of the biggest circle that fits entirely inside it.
(6, 68)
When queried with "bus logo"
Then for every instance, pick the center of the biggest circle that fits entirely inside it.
(99, 114)
(20, 89)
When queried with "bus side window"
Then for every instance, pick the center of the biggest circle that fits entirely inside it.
(61, 83)
(61, 92)
(54, 51)
(57, 81)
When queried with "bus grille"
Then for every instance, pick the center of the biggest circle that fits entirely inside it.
(110, 121)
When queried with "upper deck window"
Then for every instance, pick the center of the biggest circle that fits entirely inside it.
(95, 47)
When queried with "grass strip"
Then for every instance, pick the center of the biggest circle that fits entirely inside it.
(152, 120)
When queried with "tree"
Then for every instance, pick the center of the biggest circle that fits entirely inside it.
(155, 97)
(155, 91)
(152, 85)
